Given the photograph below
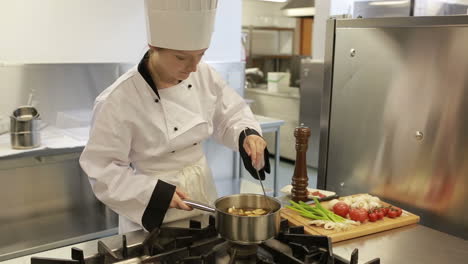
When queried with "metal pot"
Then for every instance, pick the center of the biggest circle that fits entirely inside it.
(244, 230)
(24, 128)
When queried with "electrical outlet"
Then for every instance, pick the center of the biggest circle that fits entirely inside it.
(4, 124)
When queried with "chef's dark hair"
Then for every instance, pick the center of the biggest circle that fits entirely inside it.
(153, 48)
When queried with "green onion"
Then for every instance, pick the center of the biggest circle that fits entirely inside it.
(317, 212)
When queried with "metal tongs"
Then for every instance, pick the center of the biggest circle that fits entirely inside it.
(259, 179)
(267, 200)
(257, 169)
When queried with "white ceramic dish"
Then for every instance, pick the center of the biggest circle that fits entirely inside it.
(287, 190)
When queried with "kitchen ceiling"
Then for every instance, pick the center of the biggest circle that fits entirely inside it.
(299, 8)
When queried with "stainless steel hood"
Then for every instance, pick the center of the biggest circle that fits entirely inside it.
(299, 8)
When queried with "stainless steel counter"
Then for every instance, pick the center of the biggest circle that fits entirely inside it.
(410, 244)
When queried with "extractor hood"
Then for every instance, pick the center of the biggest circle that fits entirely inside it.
(299, 8)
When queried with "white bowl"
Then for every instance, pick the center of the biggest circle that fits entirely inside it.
(287, 190)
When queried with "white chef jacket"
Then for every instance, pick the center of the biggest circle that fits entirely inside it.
(140, 141)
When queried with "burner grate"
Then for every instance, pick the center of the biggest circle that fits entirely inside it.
(197, 245)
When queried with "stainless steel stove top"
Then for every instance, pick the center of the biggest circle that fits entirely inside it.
(197, 242)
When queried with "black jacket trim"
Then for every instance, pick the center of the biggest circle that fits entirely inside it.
(246, 158)
(158, 205)
(144, 71)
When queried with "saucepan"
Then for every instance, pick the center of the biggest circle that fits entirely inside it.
(24, 128)
(244, 230)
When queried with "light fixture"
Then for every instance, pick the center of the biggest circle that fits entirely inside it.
(381, 3)
(278, 1)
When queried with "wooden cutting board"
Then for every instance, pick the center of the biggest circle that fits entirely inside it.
(295, 219)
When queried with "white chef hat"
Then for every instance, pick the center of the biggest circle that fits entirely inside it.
(180, 24)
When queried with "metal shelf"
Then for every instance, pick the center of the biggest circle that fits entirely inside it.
(277, 57)
(269, 28)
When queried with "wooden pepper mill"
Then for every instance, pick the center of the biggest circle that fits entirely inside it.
(300, 180)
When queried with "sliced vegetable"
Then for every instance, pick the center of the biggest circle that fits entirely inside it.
(317, 212)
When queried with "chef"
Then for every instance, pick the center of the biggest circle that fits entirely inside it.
(144, 154)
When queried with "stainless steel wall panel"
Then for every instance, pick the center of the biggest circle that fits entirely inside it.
(398, 123)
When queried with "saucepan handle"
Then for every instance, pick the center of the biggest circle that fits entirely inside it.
(200, 206)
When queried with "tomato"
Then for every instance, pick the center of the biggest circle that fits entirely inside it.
(380, 213)
(385, 210)
(358, 214)
(373, 216)
(341, 209)
(398, 210)
(392, 213)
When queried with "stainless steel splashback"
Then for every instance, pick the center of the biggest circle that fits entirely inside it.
(395, 121)
(311, 95)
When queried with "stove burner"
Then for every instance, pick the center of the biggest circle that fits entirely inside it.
(242, 251)
(196, 245)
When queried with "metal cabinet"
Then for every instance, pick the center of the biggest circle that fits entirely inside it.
(47, 202)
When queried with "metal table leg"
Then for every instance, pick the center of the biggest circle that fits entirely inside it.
(277, 158)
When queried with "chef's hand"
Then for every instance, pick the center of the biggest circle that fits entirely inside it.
(177, 200)
(255, 147)
(254, 154)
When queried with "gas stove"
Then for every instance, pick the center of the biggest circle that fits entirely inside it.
(197, 245)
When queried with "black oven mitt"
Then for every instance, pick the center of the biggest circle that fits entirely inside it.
(246, 158)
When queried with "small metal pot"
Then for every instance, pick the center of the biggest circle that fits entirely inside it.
(24, 128)
(244, 230)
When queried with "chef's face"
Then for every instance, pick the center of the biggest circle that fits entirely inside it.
(178, 64)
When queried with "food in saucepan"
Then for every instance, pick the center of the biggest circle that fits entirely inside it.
(246, 211)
